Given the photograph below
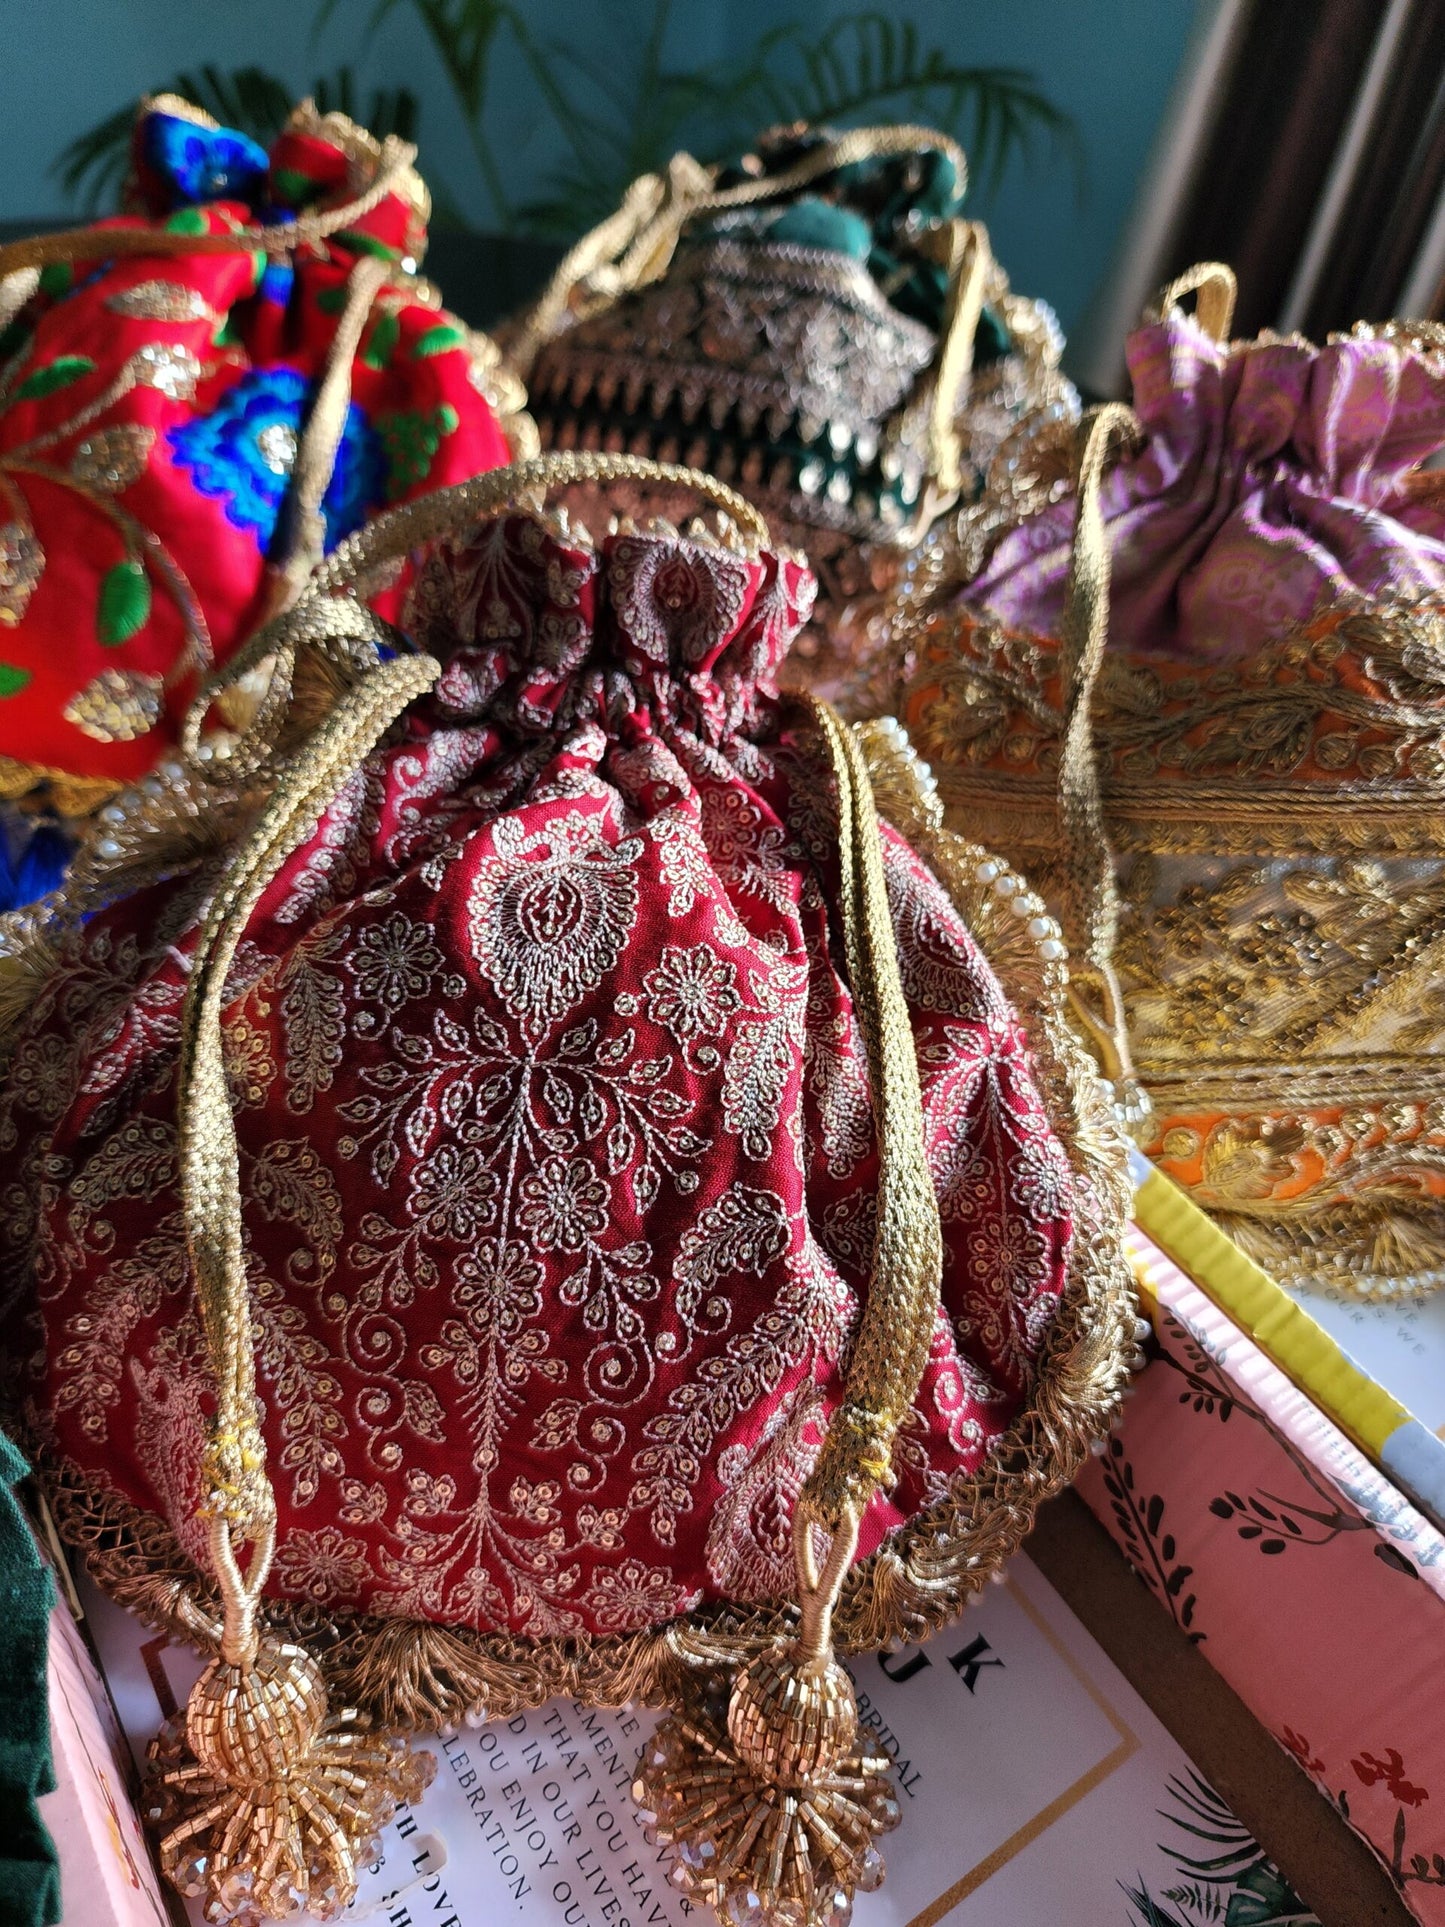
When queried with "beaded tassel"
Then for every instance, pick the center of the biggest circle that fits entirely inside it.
(266, 1803)
(772, 1805)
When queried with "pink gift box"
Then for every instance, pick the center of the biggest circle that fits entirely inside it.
(107, 1876)
(1299, 1569)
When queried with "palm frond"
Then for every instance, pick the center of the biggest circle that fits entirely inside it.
(91, 169)
(867, 63)
(463, 34)
(629, 120)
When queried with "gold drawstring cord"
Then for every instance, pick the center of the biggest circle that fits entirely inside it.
(895, 1334)
(276, 237)
(321, 437)
(237, 1490)
(1216, 289)
(967, 266)
(1090, 885)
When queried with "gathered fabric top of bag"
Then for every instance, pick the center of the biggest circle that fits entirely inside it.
(198, 399)
(1273, 479)
(557, 1153)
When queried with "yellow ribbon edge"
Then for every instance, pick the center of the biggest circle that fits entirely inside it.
(1282, 1329)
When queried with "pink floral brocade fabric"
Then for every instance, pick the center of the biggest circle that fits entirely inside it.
(1273, 480)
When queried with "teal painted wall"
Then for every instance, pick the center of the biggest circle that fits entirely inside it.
(1109, 63)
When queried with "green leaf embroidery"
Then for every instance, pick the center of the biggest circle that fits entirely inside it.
(436, 341)
(289, 184)
(362, 243)
(125, 603)
(55, 278)
(12, 678)
(411, 442)
(59, 373)
(332, 300)
(187, 220)
(377, 352)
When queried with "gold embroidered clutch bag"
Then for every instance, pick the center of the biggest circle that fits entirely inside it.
(1261, 742)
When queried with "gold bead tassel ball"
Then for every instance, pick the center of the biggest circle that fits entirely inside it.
(770, 1803)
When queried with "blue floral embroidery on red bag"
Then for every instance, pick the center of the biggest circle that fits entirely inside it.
(202, 163)
(242, 453)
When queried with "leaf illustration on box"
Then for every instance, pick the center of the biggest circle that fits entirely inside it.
(1151, 1550)
(1267, 1520)
(1225, 1877)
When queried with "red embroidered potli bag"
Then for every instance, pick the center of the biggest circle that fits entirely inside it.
(522, 1185)
(199, 398)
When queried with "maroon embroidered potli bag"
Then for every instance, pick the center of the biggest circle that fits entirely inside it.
(557, 1142)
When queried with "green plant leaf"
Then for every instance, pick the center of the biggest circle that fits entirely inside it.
(13, 678)
(124, 605)
(438, 340)
(378, 351)
(629, 119)
(54, 375)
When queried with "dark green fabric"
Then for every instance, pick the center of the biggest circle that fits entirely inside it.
(29, 1872)
(873, 211)
(821, 224)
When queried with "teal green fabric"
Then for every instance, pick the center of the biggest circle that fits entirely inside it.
(820, 224)
(29, 1870)
(871, 211)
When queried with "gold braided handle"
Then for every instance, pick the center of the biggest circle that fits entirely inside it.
(1091, 887)
(969, 260)
(898, 1319)
(277, 237)
(896, 1332)
(1213, 284)
(238, 1493)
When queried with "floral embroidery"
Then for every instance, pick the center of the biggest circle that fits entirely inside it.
(676, 600)
(564, 1205)
(244, 450)
(324, 1565)
(551, 911)
(692, 993)
(394, 962)
(557, 1160)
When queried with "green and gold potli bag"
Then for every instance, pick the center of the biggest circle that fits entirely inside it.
(818, 325)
